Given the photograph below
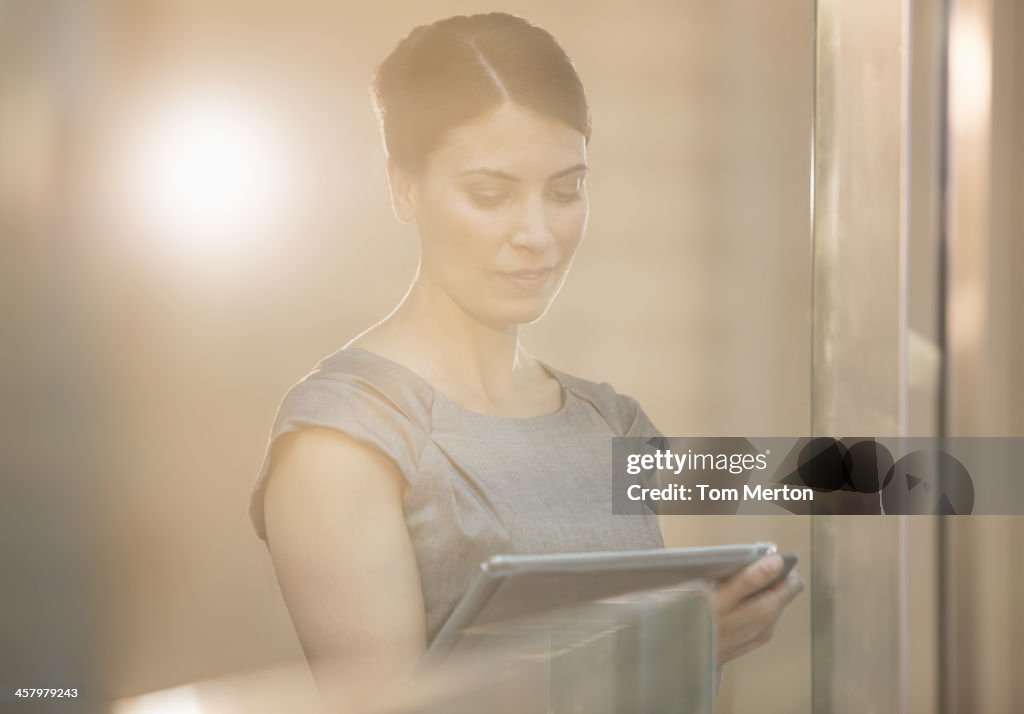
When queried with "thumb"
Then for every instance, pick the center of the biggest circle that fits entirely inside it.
(749, 580)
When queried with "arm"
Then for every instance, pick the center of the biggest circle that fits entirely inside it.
(345, 564)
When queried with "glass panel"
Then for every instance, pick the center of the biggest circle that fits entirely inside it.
(643, 652)
(640, 652)
(858, 373)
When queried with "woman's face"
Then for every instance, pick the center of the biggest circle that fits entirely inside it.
(501, 208)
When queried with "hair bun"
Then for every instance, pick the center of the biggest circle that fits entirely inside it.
(447, 73)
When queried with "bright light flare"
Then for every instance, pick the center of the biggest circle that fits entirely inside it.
(970, 68)
(181, 700)
(209, 170)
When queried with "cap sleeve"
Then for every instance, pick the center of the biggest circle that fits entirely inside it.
(639, 423)
(354, 406)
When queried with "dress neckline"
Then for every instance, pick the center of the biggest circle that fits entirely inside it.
(441, 396)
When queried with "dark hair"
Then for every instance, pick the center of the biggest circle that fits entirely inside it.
(445, 74)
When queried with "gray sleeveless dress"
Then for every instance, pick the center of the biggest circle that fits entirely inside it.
(479, 485)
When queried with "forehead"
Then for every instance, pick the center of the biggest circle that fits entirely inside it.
(511, 139)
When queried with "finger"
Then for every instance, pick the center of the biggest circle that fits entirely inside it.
(783, 591)
(765, 607)
(795, 583)
(779, 595)
(749, 580)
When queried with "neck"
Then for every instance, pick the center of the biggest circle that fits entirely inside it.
(455, 346)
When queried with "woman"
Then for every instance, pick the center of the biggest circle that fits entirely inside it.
(433, 439)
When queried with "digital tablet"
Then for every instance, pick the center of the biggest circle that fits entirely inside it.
(512, 586)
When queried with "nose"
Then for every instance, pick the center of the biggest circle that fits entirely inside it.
(533, 232)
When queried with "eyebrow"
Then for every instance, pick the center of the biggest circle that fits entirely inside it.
(494, 173)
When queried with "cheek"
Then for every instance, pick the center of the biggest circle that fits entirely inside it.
(455, 223)
(569, 226)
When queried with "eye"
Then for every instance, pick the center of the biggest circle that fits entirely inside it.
(565, 196)
(488, 199)
(567, 193)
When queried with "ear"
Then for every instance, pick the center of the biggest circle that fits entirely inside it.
(404, 196)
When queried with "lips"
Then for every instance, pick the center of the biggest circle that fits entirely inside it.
(529, 274)
(528, 279)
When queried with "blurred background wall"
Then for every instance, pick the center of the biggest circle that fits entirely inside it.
(164, 330)
(982, 584)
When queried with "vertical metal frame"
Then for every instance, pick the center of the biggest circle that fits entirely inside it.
(859, 374)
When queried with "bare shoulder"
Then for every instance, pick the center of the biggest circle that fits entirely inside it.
(317, 466)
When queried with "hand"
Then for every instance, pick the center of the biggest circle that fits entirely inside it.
(746, 621)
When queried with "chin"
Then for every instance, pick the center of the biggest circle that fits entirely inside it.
(521, 311)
